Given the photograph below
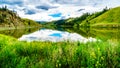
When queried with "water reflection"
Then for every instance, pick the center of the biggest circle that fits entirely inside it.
(74, 34)
(17, 33)
(54, 36)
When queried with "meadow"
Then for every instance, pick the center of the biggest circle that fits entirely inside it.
(21, 54)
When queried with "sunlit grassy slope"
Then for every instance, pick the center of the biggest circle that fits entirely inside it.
(109, 18)
(16, 54)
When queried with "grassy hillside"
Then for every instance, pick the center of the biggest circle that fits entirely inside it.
(10, 18)
(110, 18)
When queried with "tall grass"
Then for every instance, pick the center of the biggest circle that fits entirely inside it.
(16, 54)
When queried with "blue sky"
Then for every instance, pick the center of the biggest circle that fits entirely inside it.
(56, 15)
(48, 10)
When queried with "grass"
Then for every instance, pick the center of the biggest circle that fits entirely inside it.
(108, 18)
(17, 54)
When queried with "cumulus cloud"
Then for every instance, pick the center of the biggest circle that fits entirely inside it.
(41, 10)
(45, 7)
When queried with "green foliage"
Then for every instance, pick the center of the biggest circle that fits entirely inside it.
(16, 54)
(4, 8)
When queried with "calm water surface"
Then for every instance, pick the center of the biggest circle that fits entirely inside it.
(54, 36)
(111, 35)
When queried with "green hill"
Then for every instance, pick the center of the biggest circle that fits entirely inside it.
(10, 18)
(110, 18)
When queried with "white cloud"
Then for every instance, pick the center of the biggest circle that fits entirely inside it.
(66, 7)
(66, 10)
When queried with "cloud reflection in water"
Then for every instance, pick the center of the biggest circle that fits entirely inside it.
(55, 36)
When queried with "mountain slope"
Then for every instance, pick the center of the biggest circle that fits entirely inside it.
(11, 19)
(110, 18)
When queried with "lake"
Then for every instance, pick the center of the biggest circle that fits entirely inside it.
(54, 36)
(65, 34)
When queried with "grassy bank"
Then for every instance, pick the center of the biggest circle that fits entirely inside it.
(16, 54)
